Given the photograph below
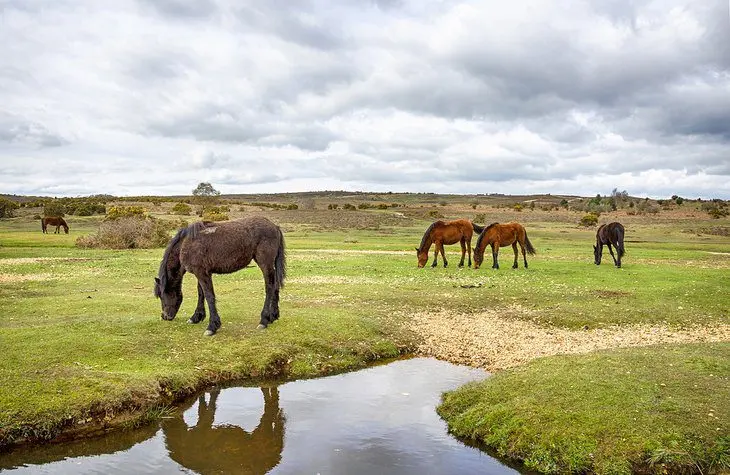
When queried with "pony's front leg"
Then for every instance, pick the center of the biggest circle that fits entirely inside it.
(514, 248)
(610, 249)
(495, 253)
(205, 281)
(435, 255)
(199, 314)
(463, 253)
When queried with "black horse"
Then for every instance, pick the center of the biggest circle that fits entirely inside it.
(611, 234)
(206, 248)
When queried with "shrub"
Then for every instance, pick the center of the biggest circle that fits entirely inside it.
(118, 212)
(435, 214)
(54, 208)
(293, 206)
(128, 232)
(214, 215)
(89, 209)
(332, 206)
(348, 206)
(518, 207)
(480, 218)
(182, 209)
(7, 207)
(382, 206)
(590, 219)
(364, 206)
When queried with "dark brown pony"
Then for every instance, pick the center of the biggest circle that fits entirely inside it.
(206, 248)
(609, 234)
(497, 235)
(54, 221)
(446, 232)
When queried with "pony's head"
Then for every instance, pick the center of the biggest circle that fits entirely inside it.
(597, 255)
(478, 258)
(170, 296)
(422, 257)
(65, 228)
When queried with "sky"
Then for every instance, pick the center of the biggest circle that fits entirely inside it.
(152, 97)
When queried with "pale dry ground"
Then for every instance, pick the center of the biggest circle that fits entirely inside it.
(486, 340)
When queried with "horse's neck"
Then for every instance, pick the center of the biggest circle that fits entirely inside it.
(426, 242)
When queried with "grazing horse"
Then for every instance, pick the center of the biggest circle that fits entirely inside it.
(446, 232)
(206, 248)
(54, 221)
(609, 234)
(497, 235)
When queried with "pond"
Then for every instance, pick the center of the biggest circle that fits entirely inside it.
(377, 420)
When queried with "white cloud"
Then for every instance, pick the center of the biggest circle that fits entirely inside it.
(142, 97)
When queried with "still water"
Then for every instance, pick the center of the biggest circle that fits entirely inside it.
(380, 420)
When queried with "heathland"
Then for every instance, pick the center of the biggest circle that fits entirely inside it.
(596, 368)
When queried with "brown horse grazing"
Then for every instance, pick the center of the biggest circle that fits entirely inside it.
(446, 232)
(54, 221)
(206, 248)
(502, 235)
(609, 234)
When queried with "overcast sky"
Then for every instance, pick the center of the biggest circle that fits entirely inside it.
(151, 97)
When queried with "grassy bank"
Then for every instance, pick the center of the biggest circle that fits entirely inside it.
(83, 342)
(656, 409)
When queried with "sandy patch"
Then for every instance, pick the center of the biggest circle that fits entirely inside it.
(334, 279)
(10, 278)
(488, 341)
(355, 251)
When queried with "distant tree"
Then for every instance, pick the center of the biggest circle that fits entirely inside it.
(205, 195)
(54, 208)
(7, 207)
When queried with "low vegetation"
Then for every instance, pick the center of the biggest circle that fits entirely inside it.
(84, 346)
(655, 409)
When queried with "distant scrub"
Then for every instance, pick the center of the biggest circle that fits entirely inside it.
(590, 219)
(7, 208)
(129, 232)
(118, 212)
(182, 209)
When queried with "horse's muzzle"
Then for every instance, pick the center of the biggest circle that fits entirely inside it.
(165, 316)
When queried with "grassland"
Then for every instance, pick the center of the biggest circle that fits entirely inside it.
(84, 347)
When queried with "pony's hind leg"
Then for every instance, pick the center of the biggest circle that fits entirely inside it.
(463, 253)
(199, 314)
(269, 312)
(514, 248)
(443, 254)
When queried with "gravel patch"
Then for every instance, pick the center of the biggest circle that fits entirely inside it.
(486, 340)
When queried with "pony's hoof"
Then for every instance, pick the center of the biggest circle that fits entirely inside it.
(261, 327)
(209, 333)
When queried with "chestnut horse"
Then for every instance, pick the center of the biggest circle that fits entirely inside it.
(608, 234)
(54, 221)
(446, 232)
(206, 248)
(496, 235)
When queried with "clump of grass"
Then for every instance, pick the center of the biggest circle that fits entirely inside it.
(128, 233)
(647, 409)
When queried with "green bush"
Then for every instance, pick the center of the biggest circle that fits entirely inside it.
(590, 219)
(182, 209)
(128, 232)
(332, 206)
(7, 207)
(89, 209)
(480, 218)
(54, 208)
(118, 212)
(214, 215)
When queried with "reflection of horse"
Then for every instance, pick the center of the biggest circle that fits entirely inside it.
(54, 221)
(502, 235)
(446, 232)
(206, 248)
(608, 234)
(226, 448)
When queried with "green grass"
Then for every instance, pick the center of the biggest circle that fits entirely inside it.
(651, 409)
(82, 339)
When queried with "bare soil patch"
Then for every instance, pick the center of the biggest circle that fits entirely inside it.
(488, 341)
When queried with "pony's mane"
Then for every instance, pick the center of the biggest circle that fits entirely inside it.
(484, 233)
(190, 231)
(426, 235)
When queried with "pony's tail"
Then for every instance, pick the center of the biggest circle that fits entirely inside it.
(477, 228)
(280, 262)
(528, 245)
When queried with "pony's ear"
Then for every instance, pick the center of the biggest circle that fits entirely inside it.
(416, 249)
(157, 279)
(594, 248)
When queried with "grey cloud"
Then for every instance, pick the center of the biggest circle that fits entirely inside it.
(182, 9)
(22, 131)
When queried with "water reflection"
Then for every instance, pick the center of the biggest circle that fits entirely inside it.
(226, 448)
(378, 420)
